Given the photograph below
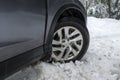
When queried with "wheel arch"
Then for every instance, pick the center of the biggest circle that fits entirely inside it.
(80, 10)
(70, 10)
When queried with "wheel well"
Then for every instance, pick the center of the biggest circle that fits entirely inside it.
(72, 13)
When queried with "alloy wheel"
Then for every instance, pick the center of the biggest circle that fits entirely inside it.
(67, 43)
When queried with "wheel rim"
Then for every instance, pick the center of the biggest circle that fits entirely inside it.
(67, 43)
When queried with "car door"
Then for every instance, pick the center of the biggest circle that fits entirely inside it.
(22, 26)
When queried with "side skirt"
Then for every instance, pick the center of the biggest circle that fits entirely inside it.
(16, 63)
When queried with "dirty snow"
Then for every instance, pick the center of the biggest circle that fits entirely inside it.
(101, 62)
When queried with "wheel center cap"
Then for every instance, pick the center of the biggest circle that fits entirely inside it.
(66, 42)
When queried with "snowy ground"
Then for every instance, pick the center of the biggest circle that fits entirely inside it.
(101, 62)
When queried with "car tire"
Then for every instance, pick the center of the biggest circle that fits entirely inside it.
(70, 40)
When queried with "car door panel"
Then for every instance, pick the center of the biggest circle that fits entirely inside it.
(22, 26)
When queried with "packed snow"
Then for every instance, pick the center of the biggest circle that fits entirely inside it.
(101, 62)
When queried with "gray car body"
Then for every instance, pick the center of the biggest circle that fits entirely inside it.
(26, 27)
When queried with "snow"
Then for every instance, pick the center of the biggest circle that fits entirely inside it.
(101, 62)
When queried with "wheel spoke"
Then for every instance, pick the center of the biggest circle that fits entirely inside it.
(60, 34)
(61, 54)
(56, 42)
(74, 52)
(57, 49)
(74, 33)
(67, 53)
(78, 46)
(66, 32)
(76, 39)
